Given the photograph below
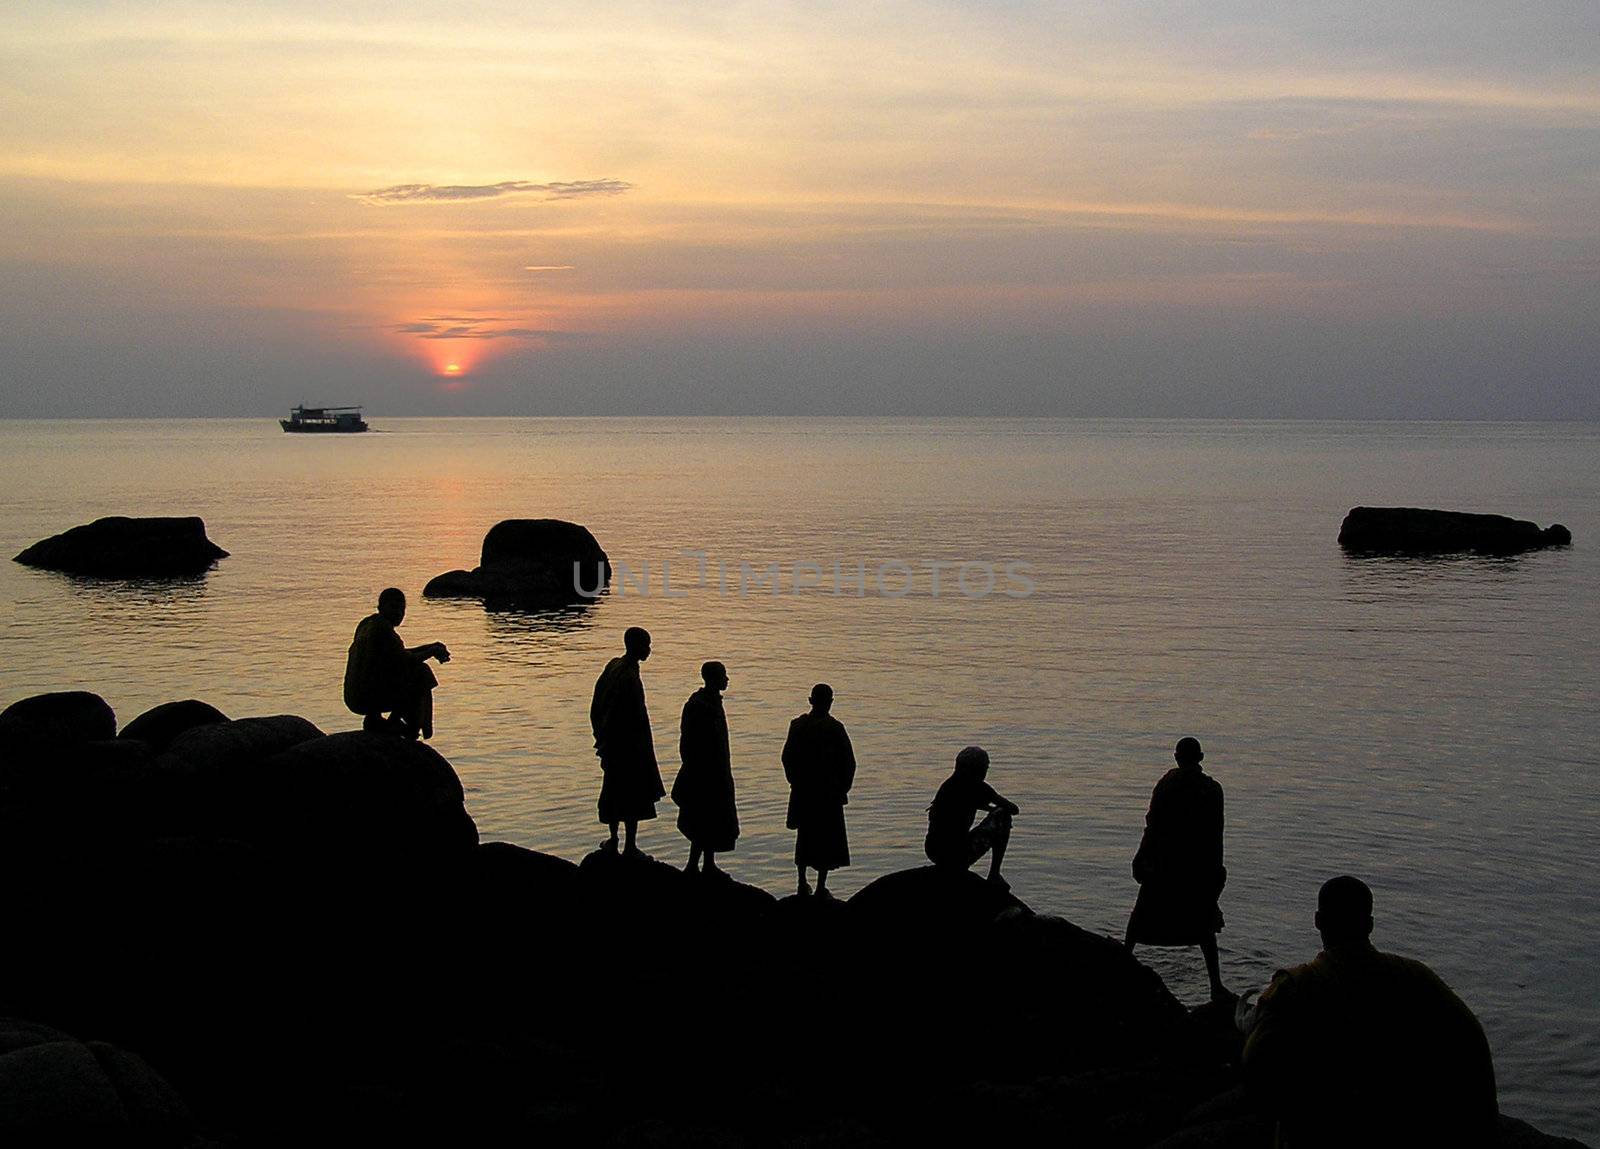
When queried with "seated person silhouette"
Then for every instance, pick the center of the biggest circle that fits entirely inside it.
(703, 791)
(382, 675)
(953, 842)
(1361, 1047)
(820, 765)
(1179, 865)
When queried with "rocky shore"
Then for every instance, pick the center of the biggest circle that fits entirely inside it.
(252, 932)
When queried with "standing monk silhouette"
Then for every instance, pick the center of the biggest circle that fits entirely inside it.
(1179, 864)
(821, 767)
(623, 743)
(703, 790)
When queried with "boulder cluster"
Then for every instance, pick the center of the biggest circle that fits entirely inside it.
(261, 933)
(530, 563)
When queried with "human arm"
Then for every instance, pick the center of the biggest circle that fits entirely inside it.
(434, 650)
(994, 800)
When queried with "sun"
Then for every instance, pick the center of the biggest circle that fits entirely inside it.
(452, 368)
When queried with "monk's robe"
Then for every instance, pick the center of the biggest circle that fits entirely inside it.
(624, 745)
(1179, 864)
(378, 674)
(707, 813)
(820, 764)
(1363, 1048)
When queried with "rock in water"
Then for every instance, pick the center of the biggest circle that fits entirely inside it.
(1410, 530)
(120, 547)
(530, 562)
(63, 717)
(160, 725)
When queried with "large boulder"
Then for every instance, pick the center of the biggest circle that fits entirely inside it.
(1410, 530)
(932, 899)
(121, 547)
(160, 725)
(229, 745)
(532, 563)
(357, 794)
(57, 1090)
(63, 717)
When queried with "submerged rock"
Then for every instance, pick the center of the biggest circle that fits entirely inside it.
(121, 547)
(1410, 530)
(160, 725)
(62, 717)
(530, 562)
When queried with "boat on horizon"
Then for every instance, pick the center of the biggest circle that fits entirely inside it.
(346, 420)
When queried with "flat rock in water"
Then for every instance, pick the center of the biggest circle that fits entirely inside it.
(1411, 530)
(530, 562)
(121, 547)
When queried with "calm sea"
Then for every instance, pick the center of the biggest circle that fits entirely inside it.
(1428, 725)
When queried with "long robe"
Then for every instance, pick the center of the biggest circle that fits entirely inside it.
(1179, 863)
(1361, 1047)
(378, 674)
(624, 745)
(820, 765)
(703, 790)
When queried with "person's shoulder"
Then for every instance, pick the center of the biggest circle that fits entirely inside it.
(1417, 973)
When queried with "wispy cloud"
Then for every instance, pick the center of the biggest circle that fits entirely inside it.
(458, 193)
(472, 327)
(548, 267)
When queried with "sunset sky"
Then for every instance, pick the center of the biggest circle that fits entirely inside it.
(1238, 208)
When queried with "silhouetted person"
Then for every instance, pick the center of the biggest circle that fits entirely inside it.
(703, 790)
(382, 675)
(821, 767)
(1179, 864)
(953, 841)
(1360, 1047)
(623, 742)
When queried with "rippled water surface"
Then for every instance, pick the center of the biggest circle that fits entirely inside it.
(1429, 725)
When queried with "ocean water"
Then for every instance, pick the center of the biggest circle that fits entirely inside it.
(1429, 725)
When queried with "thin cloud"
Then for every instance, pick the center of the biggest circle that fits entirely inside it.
(459, 193)
(466, 327)
(548, 267)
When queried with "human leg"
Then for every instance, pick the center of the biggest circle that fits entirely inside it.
(694, 859)
(1208, 947)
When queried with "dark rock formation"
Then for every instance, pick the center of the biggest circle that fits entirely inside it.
(1409, 530)
(158, 726)
(306, 942)
(59, 718)
(57, 1090)
(231, 745)
(120, 547)
(356, 793)
(534, 563)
